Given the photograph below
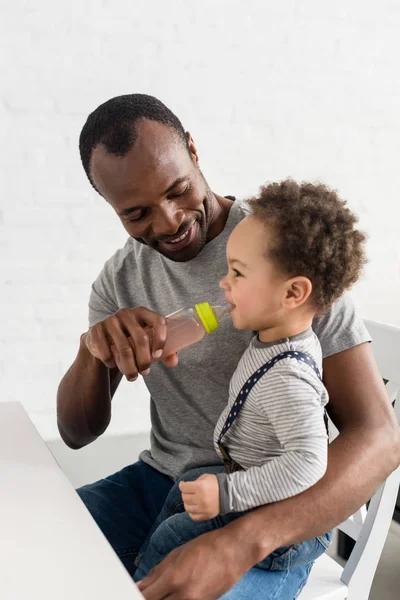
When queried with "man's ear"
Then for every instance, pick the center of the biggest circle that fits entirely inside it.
(297, 291)
(192, 148)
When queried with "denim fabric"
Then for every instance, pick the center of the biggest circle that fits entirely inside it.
(125, 506)
(130, 505)
(257, 584)
(180, 528)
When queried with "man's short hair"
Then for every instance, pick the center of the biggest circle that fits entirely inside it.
(112, 125)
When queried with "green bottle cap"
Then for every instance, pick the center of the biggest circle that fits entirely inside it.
(207, 316)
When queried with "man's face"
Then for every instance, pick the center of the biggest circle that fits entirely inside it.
(158, 191)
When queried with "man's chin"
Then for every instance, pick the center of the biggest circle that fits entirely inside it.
(184, 255)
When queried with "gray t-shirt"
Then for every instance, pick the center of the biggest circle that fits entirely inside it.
(187, 401)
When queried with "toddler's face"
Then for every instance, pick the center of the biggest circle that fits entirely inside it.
(253, 285)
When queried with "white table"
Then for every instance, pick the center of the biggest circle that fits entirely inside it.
(50, 547)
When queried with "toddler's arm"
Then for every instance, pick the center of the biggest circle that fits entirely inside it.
(290, 398)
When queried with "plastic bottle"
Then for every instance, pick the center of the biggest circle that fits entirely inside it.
(189, 325)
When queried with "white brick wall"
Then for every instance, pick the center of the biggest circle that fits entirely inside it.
(268, 89)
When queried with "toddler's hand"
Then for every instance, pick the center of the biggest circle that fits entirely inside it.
(201, 497)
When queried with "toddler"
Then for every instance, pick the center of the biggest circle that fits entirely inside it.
(289, 260)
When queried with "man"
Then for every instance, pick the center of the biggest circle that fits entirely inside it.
(137, 156)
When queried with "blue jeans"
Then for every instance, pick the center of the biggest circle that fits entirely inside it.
(130, 505)
(174, 527)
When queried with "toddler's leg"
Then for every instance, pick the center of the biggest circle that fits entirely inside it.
(170, 534)
(174, 504)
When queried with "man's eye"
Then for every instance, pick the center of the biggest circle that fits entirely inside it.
(179, 194)
(136, 216)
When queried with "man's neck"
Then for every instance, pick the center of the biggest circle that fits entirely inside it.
(221, 208)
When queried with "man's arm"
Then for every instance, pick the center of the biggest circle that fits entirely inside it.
(118, 345)
(84, 399)
(362, 456)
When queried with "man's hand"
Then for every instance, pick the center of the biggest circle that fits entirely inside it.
(202, 569)
(201, 497)
(130, 339)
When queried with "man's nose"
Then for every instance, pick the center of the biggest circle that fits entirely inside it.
(167, 220)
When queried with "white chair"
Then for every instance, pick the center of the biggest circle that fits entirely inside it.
(368, 527)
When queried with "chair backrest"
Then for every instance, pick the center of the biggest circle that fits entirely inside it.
(369, 527)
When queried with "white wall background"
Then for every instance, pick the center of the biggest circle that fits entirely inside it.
(267, 88)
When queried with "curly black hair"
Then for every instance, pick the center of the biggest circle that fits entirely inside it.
(314, 235)
(113, 125)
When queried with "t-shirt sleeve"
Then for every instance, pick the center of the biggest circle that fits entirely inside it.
(341, 328)
(103, 302)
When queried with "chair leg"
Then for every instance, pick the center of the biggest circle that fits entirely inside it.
(345, 545)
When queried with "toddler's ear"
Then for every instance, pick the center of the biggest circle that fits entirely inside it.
(297, 291)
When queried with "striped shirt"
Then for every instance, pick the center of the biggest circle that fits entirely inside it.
(279, 436)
